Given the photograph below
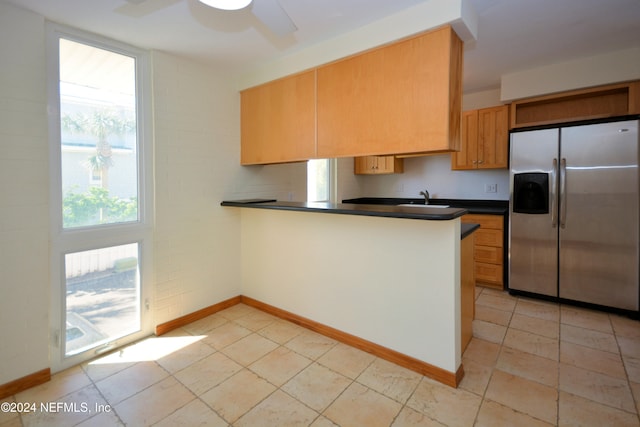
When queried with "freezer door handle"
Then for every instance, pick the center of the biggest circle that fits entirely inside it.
(563, 192)
(554, 185)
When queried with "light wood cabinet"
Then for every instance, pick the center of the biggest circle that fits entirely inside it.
(401, 98)
(488, 251)
(377, 165)
(484, 140)
(396, 99)
(278, 121)
(613, 100)
(467, 157)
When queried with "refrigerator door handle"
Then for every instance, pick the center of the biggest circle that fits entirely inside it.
(552, 194)
(563, 192)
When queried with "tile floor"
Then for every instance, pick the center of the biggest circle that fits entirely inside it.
(530, 363)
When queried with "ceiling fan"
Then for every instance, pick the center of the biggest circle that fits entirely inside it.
(269, 12)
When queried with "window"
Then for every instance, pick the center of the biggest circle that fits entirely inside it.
(321, 180)
(102, 296)
(98, 134)
(101, 188)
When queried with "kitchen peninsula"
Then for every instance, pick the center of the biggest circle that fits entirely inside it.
(386, 279)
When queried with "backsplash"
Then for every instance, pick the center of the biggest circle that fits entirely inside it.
(434, 174)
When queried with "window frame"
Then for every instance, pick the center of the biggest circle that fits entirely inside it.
(332, 167)
(69, 240)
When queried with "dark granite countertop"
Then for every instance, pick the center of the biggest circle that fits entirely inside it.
(467, 229)
(489, 207)
(381, 210)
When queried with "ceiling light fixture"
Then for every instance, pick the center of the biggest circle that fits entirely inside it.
(227, 4)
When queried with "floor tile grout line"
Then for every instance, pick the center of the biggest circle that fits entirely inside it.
(636, 401)
(403, 405)
(95, 385)
(317, 360)
(483, 398)
(279, 388)
(236, 373)
(560, 364)
(495, 368)
(247, 367)
(335, 399)
(180, 382)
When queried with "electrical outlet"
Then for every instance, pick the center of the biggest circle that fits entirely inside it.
(491, 188)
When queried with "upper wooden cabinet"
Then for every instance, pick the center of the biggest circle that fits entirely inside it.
(378, 165)
(467, 157)
(484, 139)
(400, 98)
(278, 120)
(599, 102)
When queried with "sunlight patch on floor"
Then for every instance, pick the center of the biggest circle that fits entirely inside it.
(149, 349)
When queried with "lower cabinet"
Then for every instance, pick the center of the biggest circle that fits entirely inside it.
(488, 252)
(377, 165)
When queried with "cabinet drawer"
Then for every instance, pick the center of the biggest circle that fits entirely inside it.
(489, 273)
(488, 254)
(488, 237)
(494, 222)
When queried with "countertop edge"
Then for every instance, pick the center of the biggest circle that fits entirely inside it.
(386, 211)
(473, 206)
(467, 229)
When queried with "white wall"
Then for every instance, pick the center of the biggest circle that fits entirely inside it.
(611, 67)
(24, 196)
(362, 275)
(197, 152)
(434, 174)
(197, 165)
(426, 15)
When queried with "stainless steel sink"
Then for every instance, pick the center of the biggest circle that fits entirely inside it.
(423, 206)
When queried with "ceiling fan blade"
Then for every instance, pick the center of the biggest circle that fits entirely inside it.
(140, 8)
(271, 13)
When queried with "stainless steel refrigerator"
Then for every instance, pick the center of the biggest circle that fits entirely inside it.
(574, 211)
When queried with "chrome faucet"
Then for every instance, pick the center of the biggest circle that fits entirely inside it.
(425, 193)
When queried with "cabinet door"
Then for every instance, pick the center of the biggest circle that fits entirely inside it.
(278, 121)
(375, 165)
(401, 98)
(365, 165)
(493, 137)
(390, 164)
(467, 158)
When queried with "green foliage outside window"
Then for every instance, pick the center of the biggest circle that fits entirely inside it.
(96, 207)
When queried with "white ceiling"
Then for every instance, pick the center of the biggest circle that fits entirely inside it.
(513, 35)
